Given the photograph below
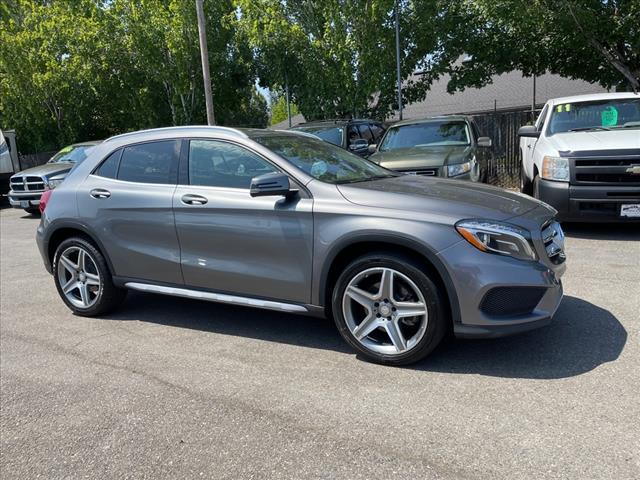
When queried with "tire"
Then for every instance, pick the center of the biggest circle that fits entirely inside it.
(525, 185)
(32, 211)
(421, 333)
(90, 290)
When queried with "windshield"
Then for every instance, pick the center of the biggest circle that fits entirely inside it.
(428, 134)
(595, 115)
(323, 161)
(74, 154)
(330, 134)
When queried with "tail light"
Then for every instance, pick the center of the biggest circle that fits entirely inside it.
(44, 199)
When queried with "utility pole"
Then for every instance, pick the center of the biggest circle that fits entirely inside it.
(397, 8)
(533, 100)
(204, 55)
(286, 86)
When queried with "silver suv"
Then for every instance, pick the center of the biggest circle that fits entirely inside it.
(284, 221)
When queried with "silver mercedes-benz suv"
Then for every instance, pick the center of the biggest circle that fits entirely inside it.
(284, 221)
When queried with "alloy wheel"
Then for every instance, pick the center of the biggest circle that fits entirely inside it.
(79, 277)
(385, 311)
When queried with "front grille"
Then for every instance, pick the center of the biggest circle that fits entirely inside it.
(27, 184)
(553, 239)
(621, 167)
(425, 172)
(511, 301)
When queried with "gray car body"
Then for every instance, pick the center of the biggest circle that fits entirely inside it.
(280, 253)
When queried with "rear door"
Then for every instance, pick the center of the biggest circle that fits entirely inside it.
(127, 201)
(232, 242)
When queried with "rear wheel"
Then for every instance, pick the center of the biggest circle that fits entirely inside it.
(388, 309)
(83, 279)
(32, 211)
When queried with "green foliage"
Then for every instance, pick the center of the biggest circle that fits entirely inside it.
(279, 109)
(78, 70)
(593, 40)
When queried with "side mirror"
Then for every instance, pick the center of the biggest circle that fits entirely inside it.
(484, 142)
(358, 145)
(529, 131)
(271, 184)
(372, 148)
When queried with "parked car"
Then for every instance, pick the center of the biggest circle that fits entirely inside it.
(28, 186)
(287, 222)
(353, 135)
(445, 146)
(582, 156)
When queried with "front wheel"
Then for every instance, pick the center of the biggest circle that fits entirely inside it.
(388, 309)
(83, 279)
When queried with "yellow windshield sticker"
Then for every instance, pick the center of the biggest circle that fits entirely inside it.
(559, 109)
(66, 149)
(567, 107)
(609, 116)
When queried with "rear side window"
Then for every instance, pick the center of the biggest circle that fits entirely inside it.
(154, 162)
(219, 164)
(365, 133)
(378, 131)
(109, 168)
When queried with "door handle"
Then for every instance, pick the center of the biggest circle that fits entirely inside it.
(100, 193)
(190, 199)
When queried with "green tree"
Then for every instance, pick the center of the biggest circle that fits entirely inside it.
(593, 40)
(279, 111)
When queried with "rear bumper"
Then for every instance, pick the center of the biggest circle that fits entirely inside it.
(24, 199)
(588, 203)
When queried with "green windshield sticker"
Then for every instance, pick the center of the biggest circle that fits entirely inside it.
(609, 117)
(66, 149)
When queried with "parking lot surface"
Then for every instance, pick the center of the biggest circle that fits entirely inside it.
(175, 388)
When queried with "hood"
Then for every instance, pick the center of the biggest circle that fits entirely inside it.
(418, 157)
(453, 199)
(48, 169)
(596, 140)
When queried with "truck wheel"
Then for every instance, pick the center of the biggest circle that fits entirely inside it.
(525, 185)
(32, 211)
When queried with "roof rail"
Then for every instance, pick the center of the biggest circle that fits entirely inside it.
(227, 130)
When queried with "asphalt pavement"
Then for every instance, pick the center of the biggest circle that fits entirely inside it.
(176, 388)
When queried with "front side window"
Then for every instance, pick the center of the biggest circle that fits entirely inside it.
(595, 115)
(153, 162)
(427, 134)
(378, 131)
(323, 161)
(330, 134)
(214, 163)
(365, 133)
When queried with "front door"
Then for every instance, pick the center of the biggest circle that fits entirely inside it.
(234, 243)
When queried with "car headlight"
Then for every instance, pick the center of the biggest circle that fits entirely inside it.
(555, 168)
(459, 169)
(54, 182)
(497, 237)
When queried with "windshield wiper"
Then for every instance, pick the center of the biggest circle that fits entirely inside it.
(586, 129)
(358, 180)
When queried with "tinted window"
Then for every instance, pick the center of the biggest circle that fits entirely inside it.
(328, 134)
(154, 162)
(220, 164)
(378, 131)
(109, 168)
(365, 133)
(353, 134)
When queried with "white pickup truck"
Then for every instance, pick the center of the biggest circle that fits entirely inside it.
(582, 156)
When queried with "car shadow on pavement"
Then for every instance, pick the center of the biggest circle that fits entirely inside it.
(603, 231)
(581, 337)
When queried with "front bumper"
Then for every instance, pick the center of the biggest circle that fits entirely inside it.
(24, 199)
(476, 275)
(599, 203)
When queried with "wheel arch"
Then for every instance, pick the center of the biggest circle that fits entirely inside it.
(342, 254)
(65, 230)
